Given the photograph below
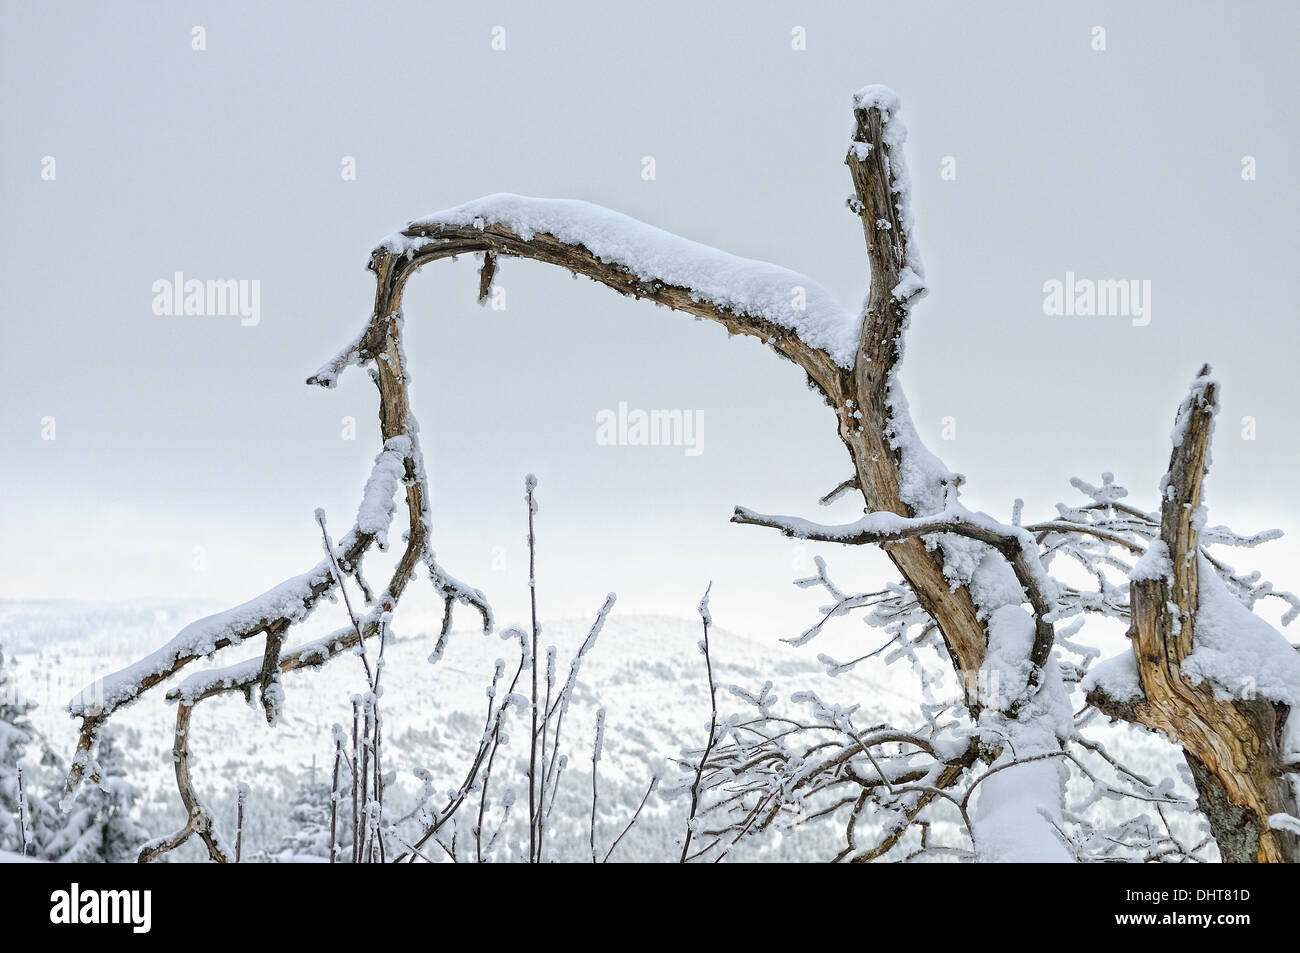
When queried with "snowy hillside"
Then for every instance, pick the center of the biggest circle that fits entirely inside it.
(647, 672)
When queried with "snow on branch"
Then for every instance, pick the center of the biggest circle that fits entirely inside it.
(884, 527)
(1017, 545)
(353, 353)
(751, 297)
(1235, 650)
(242, 676)
(1203, 669)
(884, 194)
(378, 503)
(399, 464)
(289, 600)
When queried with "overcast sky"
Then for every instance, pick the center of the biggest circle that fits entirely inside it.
(188, 455)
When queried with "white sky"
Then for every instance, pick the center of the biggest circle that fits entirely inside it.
(175, 433)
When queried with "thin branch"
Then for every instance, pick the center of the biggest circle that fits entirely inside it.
(705, 619)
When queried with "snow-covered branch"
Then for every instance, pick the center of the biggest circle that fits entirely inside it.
(1017, 545)
(1204, 670)
(399, 464)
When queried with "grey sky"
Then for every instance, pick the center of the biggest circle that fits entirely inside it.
(183, 432)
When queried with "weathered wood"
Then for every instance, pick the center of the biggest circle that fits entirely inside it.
(1231, 746)
(198, 820)
(442, 241)
(863, 409)
(858, 396)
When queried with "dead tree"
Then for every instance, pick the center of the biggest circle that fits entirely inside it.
(978, 585)
(1233, 745)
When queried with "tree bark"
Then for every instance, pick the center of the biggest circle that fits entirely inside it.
(1233, 747)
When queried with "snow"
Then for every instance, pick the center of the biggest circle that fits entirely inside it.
(1012, 814)
(911, 280)
(1222, 535)
(993, 582)
(435, 721)
(965, 556)
(375, 513)
(879, 523)
(1154, 564)
(200, 683)
(1019, 804)
(1116, 677)
(1233, 649)
(923, 478)
(7, 857)
(644, 671)
(1284, 822)
(600, 735)
(727, 281)
(292, 599)
(1237, 651)
(876, 96)
(1197, 396)
(328, 374)
(1007, 668)
(201, 638)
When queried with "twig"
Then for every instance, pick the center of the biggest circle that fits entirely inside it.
(530, 484)
(356, 760)
(654, 782)
(22, 813)
(334, 793)
(595, 761)
(705, 619)
(240, 797)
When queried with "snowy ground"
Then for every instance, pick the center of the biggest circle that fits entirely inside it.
(646, 671)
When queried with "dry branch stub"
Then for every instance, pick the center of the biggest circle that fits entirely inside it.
(1231, 745)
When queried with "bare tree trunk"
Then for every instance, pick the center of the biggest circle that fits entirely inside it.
(1233, 747)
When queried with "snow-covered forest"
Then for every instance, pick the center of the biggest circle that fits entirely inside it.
(914, 665)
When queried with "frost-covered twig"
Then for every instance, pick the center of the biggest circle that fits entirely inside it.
(705, 620)
(595, 770)
(241, 797)
(22, 812)
(897, 600)
(842, 488)
(481, 762)
(1015, 544)
(534, 806)
(356, 779)
(337, 732)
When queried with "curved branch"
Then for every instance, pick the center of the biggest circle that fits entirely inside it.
(274, 612)
(198, 820)
(782, 308)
